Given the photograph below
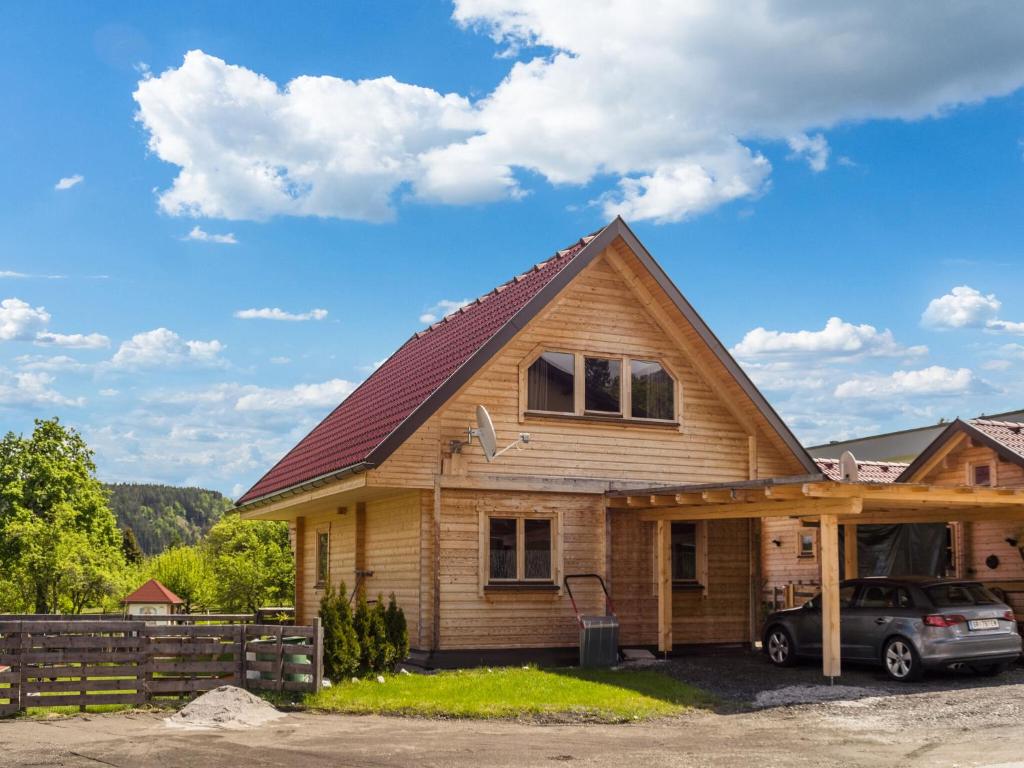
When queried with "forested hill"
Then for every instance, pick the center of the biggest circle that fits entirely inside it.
(162, 516)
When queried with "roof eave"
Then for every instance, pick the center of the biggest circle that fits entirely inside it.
(306, 485)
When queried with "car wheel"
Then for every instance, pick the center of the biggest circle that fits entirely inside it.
(989, 670)
(901, 660)
(779, 646)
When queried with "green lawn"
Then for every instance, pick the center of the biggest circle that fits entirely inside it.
(586, 694)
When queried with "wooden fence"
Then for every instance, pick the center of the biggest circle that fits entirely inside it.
(48, 663)
(789, 595)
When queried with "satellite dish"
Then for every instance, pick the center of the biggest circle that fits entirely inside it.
(848, 469)
(484, 432)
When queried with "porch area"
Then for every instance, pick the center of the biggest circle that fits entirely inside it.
(826, 505)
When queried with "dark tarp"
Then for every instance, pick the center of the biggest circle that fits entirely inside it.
(917, 549)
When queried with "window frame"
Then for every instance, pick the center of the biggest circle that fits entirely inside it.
(624, 415)
(520, 582)
(972, 469)
(321, 533)
(701, 541)
(800, 534)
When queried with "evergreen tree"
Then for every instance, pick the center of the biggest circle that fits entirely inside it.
(130, 546)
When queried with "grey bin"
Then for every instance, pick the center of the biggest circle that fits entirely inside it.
(290, 658)
(599, 641)
(295, 658)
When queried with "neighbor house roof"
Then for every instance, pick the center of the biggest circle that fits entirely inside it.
(153, 592)
(1006, 438)
(411, 384)
(867, 471)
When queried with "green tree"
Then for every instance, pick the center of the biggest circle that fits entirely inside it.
(130, 547)
(186, 572)
(252, 563)
(56, 529)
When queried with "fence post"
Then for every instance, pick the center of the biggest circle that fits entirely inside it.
(318, 654)
(146, 646)
(26, 645)
(241, 656)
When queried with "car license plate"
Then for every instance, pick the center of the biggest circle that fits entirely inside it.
(983, 624)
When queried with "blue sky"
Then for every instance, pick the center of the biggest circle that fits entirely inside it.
(784, 169)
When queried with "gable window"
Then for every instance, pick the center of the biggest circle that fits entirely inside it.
(602, 385)
(599, 387)
(981, 474)
(323, 554)
(684, 553)
(551, 383)
(653, 391)
(519, 549)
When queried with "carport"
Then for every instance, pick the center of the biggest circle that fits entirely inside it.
(827, 504)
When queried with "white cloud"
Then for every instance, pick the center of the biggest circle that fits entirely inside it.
(50, 363)
(108, 392)
(274, 313)
(997, 365)
(443, 308)
(813, 149)
(934, 380)
(280, 360)
(68, 182)
(1006, 326)
(20, 321)
(196, 233)
(963, 307)
(73, 340)
(161, 348)
(326, 394)
(660, 106)
(32, 388)
(838, 339)
(6, 273)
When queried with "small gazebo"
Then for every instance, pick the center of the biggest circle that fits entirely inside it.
(152, 599)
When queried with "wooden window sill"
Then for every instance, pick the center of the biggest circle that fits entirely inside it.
(597, 419)
(522, 586)
(687, 586)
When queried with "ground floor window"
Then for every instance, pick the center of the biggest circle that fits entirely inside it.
(689, 553)
(323, 558)
(519, 549)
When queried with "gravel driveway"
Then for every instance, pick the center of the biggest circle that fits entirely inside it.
(949, 720)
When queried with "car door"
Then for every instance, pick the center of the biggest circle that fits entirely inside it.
(871, 618)
(810, 620)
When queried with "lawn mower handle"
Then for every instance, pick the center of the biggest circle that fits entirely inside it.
(610, 608)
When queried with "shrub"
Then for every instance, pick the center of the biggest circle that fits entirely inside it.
(397, 631)
(341, 645)
(373, 638)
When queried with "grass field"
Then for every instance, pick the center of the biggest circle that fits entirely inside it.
(585, 694)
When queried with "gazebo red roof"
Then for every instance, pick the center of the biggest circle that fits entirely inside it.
(153, 592)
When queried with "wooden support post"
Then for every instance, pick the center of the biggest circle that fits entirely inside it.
(663, 545)
(756, 578)
(435, 570)
(850, 565)
(828, 556)
(300, 567)
(360, 546)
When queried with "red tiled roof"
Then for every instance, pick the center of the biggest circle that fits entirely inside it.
(867, 471)
(153, 592)
(1008, 433)
(351, 432)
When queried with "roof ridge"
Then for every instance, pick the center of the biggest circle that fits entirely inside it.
(994, 422)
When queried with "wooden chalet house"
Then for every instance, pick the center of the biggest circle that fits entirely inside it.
(652, 461)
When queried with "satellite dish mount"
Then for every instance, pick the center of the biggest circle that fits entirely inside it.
(484, 432)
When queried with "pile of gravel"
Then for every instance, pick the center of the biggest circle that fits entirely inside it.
(225, 707)
(811, 694)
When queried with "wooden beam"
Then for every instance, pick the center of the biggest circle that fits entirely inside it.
(741, 510)
(850, 566)
(936, 458)
(828, 556)
(916, 494)
(663, 553)
(300, 567)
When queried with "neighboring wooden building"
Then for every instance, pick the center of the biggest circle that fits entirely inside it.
(620, 384)
(975, 453)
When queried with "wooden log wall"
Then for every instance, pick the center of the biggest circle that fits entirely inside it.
(53, 663)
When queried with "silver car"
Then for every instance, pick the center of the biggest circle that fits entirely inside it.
(906, 624)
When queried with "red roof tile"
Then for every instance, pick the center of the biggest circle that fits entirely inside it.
(153, 592)
(350, 433)
(1008, 433)
(867, 471)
